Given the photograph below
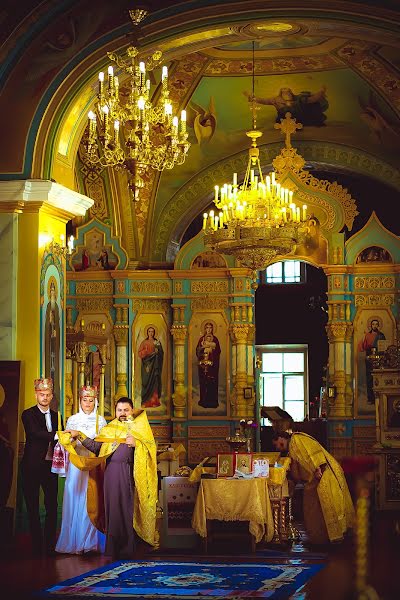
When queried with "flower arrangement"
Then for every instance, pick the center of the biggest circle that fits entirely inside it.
(247, 426)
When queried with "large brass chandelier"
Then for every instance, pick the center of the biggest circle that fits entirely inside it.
(258, 220)
(127, 130)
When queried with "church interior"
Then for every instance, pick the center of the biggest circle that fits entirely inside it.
(198, 212)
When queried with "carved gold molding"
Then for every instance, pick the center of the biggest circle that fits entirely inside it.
(202, 431)
(206, 287)
(150, 287)
(121, 334)
(239, 332)
(162, 306)
(179, 333)
(374, 299)
(207, 303)
(94, 287)
(94, 304)
(374, 282)
(337, 331)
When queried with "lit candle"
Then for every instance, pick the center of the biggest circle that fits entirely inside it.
(273, 177)
(268, 183)
(221, 220)
(304, 212)
(298, 214)
(284, 214)
(164, 73)
(110, 78)
(205, 215)
(183, 121)
(71, 244)
(175, 125)
(235, 179)
(101, 85)
(105, 117)
(116, 131)
(216, 222)
(216, 190)
(142, 71)
(62, 238)
(211, 219)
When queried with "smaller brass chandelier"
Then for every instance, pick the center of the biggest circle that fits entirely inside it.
(61, 250)
(127, 131)
(258, 220)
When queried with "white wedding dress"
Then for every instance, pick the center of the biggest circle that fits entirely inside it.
(78, 534)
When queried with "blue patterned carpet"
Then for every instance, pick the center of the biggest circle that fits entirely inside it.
(186, 580)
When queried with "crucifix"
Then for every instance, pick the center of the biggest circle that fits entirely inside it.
(288, 126)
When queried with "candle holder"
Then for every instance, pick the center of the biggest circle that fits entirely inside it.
(236, 441)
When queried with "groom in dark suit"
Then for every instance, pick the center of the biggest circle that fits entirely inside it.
(40, 423)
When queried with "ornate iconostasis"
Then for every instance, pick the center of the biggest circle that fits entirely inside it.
(181, 341)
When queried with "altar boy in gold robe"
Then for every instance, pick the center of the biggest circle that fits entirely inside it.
(328, 508)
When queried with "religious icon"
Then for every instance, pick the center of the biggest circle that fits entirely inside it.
(244, 462)
(225, 467)
(151, 354)
(208, 352)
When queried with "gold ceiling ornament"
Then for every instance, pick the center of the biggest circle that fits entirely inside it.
(127, 130)
(259, 220)
(314, 189)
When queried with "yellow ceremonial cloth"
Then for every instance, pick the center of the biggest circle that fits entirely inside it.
(278, 475)
(197, 472)
(328, 508)
(144, 469)
(235, 500)
(176, 450)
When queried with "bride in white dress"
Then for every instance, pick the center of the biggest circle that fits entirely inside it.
(78, 534)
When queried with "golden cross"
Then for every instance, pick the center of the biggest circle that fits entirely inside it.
(288, 126)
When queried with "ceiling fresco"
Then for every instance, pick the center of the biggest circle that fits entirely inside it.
(336, 72)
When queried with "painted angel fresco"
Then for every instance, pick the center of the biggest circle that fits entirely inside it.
(380, 129)
(203, 120)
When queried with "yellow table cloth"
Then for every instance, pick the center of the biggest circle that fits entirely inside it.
(235, 500)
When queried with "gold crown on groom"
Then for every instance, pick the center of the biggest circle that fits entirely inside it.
(43, 384)
(88, 391)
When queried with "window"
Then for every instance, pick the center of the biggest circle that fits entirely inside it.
(283, 379)
(287, 271)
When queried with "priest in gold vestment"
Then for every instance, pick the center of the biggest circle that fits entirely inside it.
(124, 454)
(328, 508)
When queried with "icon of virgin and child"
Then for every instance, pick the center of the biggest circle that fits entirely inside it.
(208, 353)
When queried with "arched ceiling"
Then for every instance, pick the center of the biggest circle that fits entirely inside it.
(343, 56)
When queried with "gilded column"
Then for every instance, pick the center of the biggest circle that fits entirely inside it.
(69, 396)
(179, 397)
(121, 340)
(80, 354)
(336, 335)
(239, 334)
(250, 356)
(349, 393)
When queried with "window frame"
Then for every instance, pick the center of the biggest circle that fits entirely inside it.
(282, 280)
(283, 349)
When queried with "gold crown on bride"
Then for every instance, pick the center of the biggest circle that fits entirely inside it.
(88, 391)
